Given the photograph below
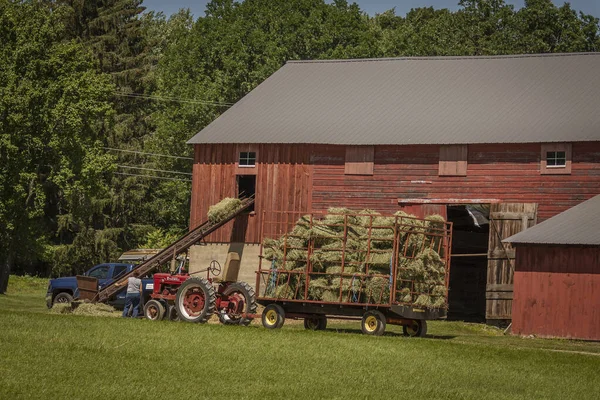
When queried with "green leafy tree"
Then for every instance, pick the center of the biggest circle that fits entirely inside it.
(53, 104)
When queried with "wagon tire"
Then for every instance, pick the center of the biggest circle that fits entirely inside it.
(373, 323)
(273, 316)
(154, 310)
(418, 328)
(315, 323)
(244, 290)
(63, 297)
(195, 300)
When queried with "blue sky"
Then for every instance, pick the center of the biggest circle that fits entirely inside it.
(371, 7)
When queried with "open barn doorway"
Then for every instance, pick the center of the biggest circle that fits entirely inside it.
(246, 185)
(468, 267)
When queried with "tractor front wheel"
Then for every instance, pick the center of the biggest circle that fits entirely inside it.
(154, 310)
(273, 316)
(195, 300)
(238, 292)
(373, 323)
(418, 328)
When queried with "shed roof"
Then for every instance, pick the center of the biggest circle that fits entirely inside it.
(579, 225)
(431, 100)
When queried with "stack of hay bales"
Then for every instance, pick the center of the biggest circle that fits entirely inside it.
(351, 254)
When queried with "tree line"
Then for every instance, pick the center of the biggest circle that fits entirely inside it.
(95, 95)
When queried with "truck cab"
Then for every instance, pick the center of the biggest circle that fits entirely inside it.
(64, 290)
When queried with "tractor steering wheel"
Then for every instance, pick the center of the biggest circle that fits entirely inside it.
(215, 267)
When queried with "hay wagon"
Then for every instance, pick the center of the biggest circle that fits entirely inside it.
(341, 264)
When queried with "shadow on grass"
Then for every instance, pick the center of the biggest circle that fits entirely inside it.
(387, 333)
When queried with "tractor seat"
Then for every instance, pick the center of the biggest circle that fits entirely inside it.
(231, 269)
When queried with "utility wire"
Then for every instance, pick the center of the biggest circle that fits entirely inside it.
(153, 177)
(177, 99)
(149, 154)
(155, 170)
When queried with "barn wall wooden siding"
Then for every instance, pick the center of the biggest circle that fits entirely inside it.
(557, 291)
(311, 177)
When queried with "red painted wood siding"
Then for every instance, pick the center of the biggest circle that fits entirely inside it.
(557, 291)
(311, 177)
(507, 172)
(283, 183)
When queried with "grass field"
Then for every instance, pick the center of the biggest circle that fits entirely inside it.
(49, 356)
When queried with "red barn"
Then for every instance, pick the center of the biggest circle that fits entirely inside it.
(495, 144)
(557, 275)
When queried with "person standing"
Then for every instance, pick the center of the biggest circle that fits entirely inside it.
(133, 296)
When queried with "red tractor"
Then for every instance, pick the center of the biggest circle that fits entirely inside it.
(195, 299)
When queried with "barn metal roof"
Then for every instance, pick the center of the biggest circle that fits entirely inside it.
(579, 225)
(439, 100)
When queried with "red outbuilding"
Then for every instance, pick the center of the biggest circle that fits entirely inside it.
(557, 275)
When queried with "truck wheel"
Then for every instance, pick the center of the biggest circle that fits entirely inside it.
(273, 316)
(418, 328)
(240, 291)
(62, 297)
(315, 323)
(154, 310)
(373, 323)
(173, 316)
(195, 300)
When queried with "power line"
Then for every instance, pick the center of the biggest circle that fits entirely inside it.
(177, 99)
(155, 170)
(149, 154)
(153, 177)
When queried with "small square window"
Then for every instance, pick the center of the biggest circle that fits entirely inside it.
(556, 159)
(247, 159)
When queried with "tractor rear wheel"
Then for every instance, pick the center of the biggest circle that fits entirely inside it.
(195, 300)
(273, 316)
(373, 323)
(154, 310)
(418, 328)
(318, 323)
(242, 292)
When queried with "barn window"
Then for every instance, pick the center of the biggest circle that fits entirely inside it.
(359, 160)
(247, 159)
(555, 159)
(453, 160)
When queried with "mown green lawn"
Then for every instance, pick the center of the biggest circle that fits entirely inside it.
(49, 356)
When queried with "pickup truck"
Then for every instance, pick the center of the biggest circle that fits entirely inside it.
(64, 290)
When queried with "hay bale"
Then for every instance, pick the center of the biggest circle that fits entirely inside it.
(438, 302)
(332, 296)
(316, 287)
(337, 269)
(378, 290)
(223, 209)
(405, 296)
(423, 300)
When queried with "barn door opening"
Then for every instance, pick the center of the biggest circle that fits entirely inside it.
(468, 266)
(246, 187)
(506, 219)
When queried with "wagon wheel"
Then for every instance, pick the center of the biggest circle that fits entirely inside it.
(318, 323)
(373, 323)
(273, 316)
(417, 328)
